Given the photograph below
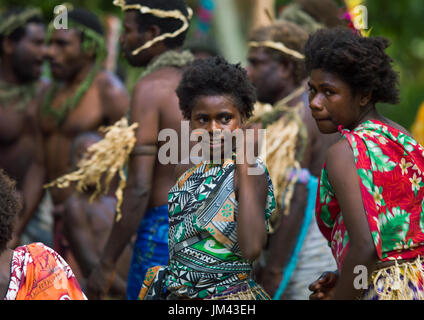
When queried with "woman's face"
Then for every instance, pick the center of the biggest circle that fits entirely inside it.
(332, 102)
(214, 114)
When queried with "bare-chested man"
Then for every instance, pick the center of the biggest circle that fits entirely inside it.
(86, 225)
(22, 49)
(276, 69)
(154, 107)
(83, 97)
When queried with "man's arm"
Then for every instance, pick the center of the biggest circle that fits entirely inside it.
(144, 111)
(114, 97)
(32, 194)
(35, 177)
(78, 232)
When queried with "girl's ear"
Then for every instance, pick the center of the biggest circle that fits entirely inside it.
(365, 99)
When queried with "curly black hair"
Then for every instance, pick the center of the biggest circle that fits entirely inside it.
(360, 61)
(87, 19)
(10, 205)
(215, 76)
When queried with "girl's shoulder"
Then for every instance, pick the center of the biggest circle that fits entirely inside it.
(340, 149)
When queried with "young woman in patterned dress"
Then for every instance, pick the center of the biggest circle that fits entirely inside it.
(218, 209)
(370, 198)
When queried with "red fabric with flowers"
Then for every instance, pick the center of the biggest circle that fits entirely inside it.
(390, 166)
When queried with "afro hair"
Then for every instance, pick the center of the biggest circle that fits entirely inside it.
(10, 205)
(360, 61)
(215, 76)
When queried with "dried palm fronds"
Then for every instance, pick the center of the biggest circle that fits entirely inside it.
(104, 158)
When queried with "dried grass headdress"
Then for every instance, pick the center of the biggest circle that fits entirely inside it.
(15, 21)
(277, 46)
(176, 14)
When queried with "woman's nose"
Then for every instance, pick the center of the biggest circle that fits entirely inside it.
(315, 102)
(214, 128)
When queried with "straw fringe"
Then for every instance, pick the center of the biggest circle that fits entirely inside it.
(286, 138)
(395, 281)
(175, 14)
(108, 157)
(280, 157)
(249, 294)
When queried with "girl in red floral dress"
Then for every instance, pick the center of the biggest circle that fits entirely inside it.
(370, 198)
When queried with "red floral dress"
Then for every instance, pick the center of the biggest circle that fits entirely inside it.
(390, 167)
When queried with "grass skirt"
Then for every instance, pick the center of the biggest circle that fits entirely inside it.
(402, 281)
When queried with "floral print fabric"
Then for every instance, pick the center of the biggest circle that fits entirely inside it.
(40, 273)
(205, 258)
(390, 167)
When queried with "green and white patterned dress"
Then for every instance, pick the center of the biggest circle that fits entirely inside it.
(205, 258)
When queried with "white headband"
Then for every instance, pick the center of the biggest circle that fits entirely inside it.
(176, 14)
(277, 46)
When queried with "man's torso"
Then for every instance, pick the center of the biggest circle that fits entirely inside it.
(18, 130)
(87, 116)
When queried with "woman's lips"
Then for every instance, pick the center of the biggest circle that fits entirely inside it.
(216, 143)
(321, 119)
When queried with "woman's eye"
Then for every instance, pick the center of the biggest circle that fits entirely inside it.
(311, 90)
(226, 119)
(202, 120)
(328, 93)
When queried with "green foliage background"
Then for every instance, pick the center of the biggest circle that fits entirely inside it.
(400, 21)
(47, 6)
